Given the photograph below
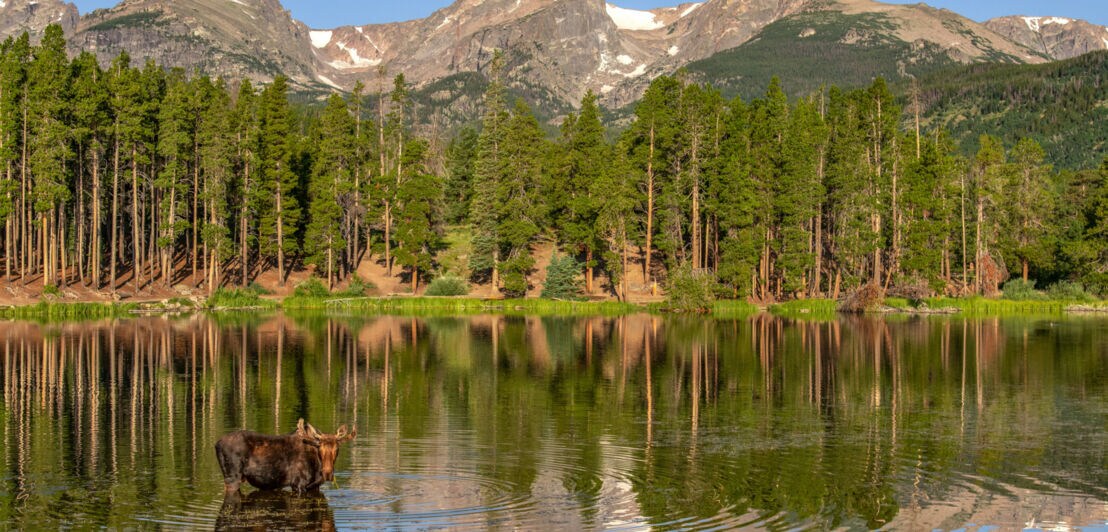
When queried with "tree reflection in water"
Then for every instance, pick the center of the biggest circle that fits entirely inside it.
(520, 421)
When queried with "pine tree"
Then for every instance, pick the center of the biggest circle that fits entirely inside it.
(419, 214)
(91, 135)
(928, 181)
(175, 144)
(737, 205)
(1030, 196)
(280, 220)
(652, 136)
(615, 219)
(519, 213)
(14, 56)
(488, 173)
(798, 197)
(48, 80)
(988, 181)
(332, 179)
(461, 156)
(248, 144)
(216, 141)
(585, 151)
(770, 122)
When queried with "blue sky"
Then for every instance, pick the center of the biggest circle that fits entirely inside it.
(331, 13)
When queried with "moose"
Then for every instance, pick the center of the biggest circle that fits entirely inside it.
(302, 459)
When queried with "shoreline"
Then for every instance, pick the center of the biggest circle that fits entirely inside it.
(446, 306)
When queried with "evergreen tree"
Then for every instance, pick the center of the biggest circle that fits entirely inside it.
(519, 213)
(585, 151)
(988, 183)
(48, 81)
(461, 156)
(14, 56)
(651, 139)
(487, 176)
(331, 179)
(175, 144)
(737, 205)
(216, 141)
(419, 219)
(279, 222)
(251, 195)
(615, 219)
(798, 197)
(91, 134)
(1030, 196)
(769, 129)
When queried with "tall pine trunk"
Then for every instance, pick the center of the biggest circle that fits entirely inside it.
(136, 246)
(113, 256)
(280, 239)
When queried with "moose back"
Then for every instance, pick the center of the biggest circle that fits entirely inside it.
(302, 459)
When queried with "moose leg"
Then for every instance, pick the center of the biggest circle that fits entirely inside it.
(231, 464)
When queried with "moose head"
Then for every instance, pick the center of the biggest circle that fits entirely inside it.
(329, 447)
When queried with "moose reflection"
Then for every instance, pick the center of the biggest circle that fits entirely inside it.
(276, 510)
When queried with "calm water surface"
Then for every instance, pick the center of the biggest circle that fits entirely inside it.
(569, 423)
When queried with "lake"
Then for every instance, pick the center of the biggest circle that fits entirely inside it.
(510, 422)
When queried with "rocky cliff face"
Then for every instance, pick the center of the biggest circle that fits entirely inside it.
(1053, 37)
(560, 48)
(18, 16)
(255, 39)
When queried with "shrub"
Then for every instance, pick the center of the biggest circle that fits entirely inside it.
(1020, 290)
(358, 287)
(236, 298)
(562, 280)
(448, 286)
(311, 288)
(51, 290)
(514, 273)
(1069, 291)
(1096, 284)
(690, 291)
(865, 299)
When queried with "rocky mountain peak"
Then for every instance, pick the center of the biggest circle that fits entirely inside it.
(18, 16)
(1053, 37)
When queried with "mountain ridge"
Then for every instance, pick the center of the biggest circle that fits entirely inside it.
(560, 48)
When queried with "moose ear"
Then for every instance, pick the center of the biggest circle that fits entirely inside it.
(313, 432)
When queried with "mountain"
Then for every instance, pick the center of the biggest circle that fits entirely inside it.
(555, 50)
(32, 16)
(1054, 37)
(1063, 105)
(566, 46)
(255, 39)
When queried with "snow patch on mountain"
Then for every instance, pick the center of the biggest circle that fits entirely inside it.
(632, 19)
(1037, 23)
(321, 38)
(356, 60)
(690, 9)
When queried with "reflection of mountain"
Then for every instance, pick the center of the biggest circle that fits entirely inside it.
(526, 422)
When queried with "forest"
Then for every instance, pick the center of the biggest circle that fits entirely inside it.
(139, 176)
